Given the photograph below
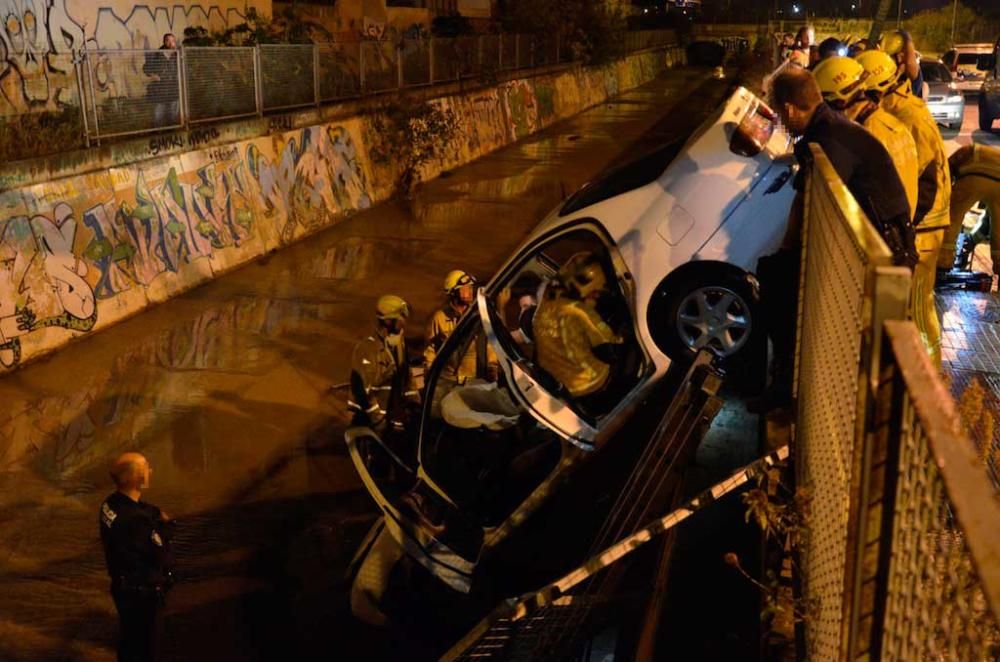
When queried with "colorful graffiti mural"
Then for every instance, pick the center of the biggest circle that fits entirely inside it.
(38, 37)
(102, 244)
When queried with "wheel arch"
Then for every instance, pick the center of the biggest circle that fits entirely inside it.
(702, 269)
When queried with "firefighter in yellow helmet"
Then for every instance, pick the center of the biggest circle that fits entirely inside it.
(888, 84)
(573, 343)
(479, 360)
(380, 374)
(842, 82)
(976, 169)
(899, 45)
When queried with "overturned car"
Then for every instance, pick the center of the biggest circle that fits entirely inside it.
(507, 447)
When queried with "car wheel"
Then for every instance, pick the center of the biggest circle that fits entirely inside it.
(715, 311)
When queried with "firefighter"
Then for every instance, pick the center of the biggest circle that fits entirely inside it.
(976, 169)
(888, 84)
(460, 290)
(573, 343)
(899, 45)
(380, 375)
(842, 82)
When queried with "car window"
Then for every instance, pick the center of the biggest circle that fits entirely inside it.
(970, 59)
(935, 72)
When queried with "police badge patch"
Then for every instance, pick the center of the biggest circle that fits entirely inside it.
(107, 515)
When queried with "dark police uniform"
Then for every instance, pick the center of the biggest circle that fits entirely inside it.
(136, 543)
(867, 170)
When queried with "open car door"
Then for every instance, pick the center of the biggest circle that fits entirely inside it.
(537, 392)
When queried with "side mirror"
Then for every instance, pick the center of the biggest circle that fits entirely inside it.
(986, 62)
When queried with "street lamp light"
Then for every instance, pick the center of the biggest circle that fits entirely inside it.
(795, 9)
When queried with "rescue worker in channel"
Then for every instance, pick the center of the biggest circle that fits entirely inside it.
(976, 169)
(136, 538)
(479, 359)
(381, 384)
(889, 85)
(573, 342)
(867, 170)
(842, 82)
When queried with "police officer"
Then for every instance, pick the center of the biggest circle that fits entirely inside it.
(842, 82)
(479, 360)
(867, 170)
(136, 539)
(889, 84)
(976, 169)
(380, 371)
(573, 342)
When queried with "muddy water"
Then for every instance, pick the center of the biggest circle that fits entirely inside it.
(227, 391)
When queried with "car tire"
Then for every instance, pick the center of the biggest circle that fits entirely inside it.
(712, 308)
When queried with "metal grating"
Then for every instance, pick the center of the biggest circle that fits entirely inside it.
(287, 75)
(838, 262)
(132, 92)
(937, 606)
(220, 83)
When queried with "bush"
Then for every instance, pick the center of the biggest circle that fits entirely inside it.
(590, 30)
(38, 134)
(931, 29)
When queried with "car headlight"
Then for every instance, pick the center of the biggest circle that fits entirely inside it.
(955, 98)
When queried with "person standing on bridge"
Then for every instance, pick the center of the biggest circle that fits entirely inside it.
(380, 370)
(164, 89)
(888, 83)
(136, 539)
(867, 170)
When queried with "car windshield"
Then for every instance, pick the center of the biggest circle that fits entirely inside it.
(935, 72)
(969, 59)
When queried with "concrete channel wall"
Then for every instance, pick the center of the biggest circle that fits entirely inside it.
(90, 238)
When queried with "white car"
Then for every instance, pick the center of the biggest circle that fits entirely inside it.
(967, 65)
(679, 232)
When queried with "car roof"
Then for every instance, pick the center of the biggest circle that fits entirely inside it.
(973, 47)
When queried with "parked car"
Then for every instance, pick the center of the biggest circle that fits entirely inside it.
(678, 232)
(989, 94)
(965, 61)
(944, 100)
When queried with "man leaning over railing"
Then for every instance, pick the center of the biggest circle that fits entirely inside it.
(164, 89)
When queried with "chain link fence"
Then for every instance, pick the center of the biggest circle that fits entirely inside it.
(129, 92)
(900, 560)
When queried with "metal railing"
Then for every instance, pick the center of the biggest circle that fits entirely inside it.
(900, 560)
(129, 92)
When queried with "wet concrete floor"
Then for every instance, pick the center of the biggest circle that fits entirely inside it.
(227, 390)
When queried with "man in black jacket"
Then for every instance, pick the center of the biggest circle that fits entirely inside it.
(136, 539)
(164, 89)
(867, 170)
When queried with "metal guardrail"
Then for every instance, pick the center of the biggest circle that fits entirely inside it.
(130, 92)
(900, 560)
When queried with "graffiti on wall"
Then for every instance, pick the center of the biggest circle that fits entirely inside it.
(165, 224)
(38, 38)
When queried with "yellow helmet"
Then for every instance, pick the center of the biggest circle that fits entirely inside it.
(894, 42)
(883, 73)
(840, 79)
(391, 307)
(583, 275)
(456, 279)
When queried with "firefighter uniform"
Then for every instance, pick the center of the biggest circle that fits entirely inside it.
(380, 372)
(932, 218)
(977, 179)
(136, 542)
(440, 328)
(566, 333)
(896, 139)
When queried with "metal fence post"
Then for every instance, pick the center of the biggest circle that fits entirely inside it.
(500, 52)
(183, 87)
(81, 92)
(531, 51)
(430, 50)
(316, 93)
(479, 56)
(258, 91)
(558, 48)
(93, 98)
(517, 50)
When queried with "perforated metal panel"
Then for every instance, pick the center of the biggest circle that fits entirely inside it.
(839, 258)
(288, 75)
(220, 82)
